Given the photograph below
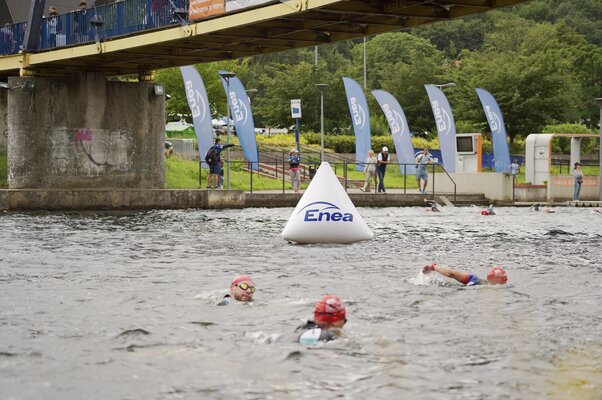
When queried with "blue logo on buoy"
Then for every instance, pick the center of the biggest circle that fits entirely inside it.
(319, 212)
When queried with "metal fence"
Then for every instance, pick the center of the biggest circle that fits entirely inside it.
(279, 171)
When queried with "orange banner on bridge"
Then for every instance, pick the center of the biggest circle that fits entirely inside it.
(204, 8)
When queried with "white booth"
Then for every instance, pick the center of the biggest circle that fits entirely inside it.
(538, 154)
(469, 152)
(538, 167)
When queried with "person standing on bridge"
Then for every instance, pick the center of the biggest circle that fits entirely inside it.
(7, 40)
(53, 22)
(81, 22)
(381, 168)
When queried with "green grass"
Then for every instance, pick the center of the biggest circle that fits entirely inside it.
(184, 174)
(3, 170)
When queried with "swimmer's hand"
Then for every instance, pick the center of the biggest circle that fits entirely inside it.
(428, 268)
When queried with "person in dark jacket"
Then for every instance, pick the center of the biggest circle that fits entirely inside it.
(215, 165)
(381, 168)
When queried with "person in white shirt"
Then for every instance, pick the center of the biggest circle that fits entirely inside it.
(422, 174)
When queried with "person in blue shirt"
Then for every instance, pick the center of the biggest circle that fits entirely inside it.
(495, 276)
(215, 164)
(421, 173)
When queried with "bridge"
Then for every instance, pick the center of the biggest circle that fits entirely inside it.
(130, 40)
(70, 127)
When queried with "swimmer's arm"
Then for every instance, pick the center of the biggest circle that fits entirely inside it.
(444, 270)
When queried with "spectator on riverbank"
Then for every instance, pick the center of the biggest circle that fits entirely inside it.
(578, 175)
(422, 175)
(495, 276)
(242, 288)
(381, 168)
(293, 162)
(214, 160)
(370, 170)
(514, 169)
(330, 316)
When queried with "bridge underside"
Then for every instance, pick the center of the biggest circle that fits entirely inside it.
(269, 28)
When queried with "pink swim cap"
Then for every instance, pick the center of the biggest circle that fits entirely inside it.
(241, 278)
(329, 309)
(497, 275)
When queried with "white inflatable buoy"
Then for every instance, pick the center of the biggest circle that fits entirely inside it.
(325, 213)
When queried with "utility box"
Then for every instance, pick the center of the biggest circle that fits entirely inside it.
(469, 152)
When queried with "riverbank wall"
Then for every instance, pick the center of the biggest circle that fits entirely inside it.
(140, 199)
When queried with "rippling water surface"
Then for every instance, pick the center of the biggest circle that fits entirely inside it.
(121, 306)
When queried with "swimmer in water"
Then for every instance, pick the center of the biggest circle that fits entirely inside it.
(496, 275)
(242, 288)
(535, 207)
(329, 318)
(433, 205)
(488, 211)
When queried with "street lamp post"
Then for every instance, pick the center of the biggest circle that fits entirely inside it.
(599, 101)
(450, 84)
(322, 87)
(227, 76)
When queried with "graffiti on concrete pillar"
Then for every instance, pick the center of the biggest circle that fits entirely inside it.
(83, 138)
(105, 148)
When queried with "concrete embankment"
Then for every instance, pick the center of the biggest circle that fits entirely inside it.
(139, 199)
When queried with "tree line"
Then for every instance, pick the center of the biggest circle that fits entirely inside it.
(542, 61)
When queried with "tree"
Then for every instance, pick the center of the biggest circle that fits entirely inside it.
(530, 71)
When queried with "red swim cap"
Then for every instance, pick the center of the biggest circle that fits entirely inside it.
(329, 310)
(497, 275)
(484, 212)
(241, 278)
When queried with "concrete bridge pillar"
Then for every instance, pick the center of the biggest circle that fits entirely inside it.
(85, 132)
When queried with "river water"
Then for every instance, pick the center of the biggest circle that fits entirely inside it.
(122, 306)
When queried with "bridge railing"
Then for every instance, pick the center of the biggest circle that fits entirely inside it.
(102, 22)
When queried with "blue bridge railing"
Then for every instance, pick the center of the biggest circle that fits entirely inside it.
(97, 23)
